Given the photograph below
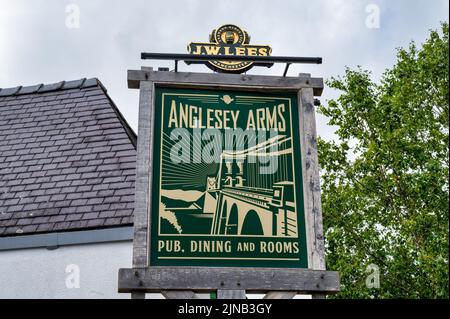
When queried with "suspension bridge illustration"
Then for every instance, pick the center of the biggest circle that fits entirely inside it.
(244, 197)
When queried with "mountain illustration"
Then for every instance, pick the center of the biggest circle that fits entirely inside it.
(179, 194)
(181, 199)
(201, 201)
(187, 212)
(175, 203)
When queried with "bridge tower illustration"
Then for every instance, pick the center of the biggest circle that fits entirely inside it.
(254, 190)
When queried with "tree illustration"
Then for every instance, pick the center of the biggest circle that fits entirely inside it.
(169, 222)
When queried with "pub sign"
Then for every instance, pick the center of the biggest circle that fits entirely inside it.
(227, 180)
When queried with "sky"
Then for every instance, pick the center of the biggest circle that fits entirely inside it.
(47, 41)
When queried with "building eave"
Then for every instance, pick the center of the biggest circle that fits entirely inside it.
(57, 239)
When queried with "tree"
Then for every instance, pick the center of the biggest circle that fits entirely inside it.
(385, 187)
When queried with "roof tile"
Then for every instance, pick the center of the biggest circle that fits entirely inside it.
(51, 87)
(73, 84)
(9, 91)
(66, 161)
(30, 89)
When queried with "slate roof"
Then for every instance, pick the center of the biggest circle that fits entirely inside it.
(67, 159)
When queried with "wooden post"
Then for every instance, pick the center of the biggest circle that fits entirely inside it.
(143, 180)
(311, 181)
(230, 294)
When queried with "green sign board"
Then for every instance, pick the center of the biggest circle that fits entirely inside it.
(227, 180)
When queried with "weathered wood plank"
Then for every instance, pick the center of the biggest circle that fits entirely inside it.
(143, 176)
(311, 180)
(142, 184)
(230, 294)
(213, 80)
(311, 183)
(138, 295)
(155, 279)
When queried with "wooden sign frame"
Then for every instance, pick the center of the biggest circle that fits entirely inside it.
(229, 282)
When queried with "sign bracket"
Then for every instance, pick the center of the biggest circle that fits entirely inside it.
(286, 69)
(266, 61)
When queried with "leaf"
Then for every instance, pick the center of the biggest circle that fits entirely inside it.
(385, 198)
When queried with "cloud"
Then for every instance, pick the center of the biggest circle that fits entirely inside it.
(36, 46)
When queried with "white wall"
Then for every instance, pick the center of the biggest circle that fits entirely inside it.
(41, 273)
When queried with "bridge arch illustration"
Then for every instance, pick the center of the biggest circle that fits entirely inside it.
(251, 200)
